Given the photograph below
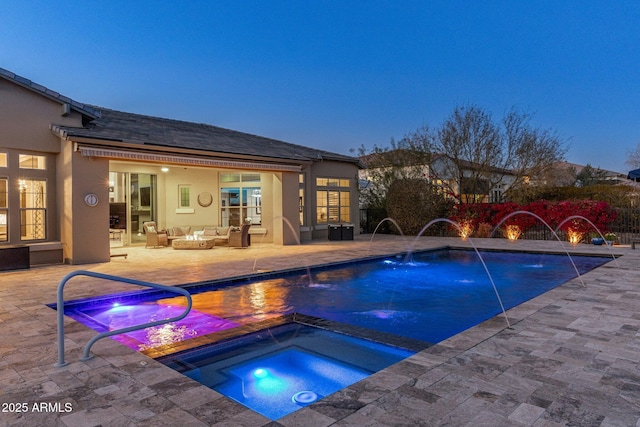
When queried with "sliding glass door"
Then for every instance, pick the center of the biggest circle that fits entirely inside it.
(133, 200)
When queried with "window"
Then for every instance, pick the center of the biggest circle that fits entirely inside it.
(33, 212)
(250, 177)
(238, 177)
(333, 203)
(4, 193)
(301, 207)
(332, 182)
(230, 205)
(243, 201)
(28, 161)
(229, 177)
(301, 197)
(3, 160)
(184, 196)
(241, 204)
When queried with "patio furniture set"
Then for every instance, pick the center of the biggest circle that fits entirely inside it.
(205, 238)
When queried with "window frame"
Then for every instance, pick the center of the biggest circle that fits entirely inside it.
(34, 160)
(333, 200)
(244, 183)
(184, 196)
(29, 221)
(4, 209)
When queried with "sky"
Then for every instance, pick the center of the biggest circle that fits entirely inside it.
(340, 75)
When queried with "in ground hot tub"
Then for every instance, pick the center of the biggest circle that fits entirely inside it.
(282, 369)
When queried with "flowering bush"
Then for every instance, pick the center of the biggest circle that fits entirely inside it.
(572, 217)
(484, 230)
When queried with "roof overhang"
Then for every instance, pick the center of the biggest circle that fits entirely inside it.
(65, 101)
(139, 156)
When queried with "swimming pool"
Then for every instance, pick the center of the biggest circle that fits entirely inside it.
(382, 309)
(434, 296)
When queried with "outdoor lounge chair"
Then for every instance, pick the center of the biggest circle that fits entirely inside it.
(240, 238)
(155, 237)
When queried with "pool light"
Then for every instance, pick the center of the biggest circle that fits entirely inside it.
(465, 230)
(513, 232)
(260, 373)
(574, 236)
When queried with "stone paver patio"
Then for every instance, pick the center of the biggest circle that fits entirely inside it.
(570, 358)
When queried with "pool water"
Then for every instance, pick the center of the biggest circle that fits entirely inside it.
(280, 370)
(434, 296)
(120, 315)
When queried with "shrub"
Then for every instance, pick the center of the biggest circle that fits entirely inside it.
(413, 203)
(569, 216)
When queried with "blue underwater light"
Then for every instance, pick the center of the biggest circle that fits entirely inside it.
(260, 373)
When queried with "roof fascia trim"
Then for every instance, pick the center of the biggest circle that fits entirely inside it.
(180, 160)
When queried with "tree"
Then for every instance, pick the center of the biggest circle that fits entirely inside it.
(470, 143)
(384, 166)
(633, 158)
(590, 176)
(475, 155)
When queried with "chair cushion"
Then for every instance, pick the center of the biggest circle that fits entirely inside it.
(181, 231)
(208, 231)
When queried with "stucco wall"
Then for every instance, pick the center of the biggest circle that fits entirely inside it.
(84, 229)
(333, 169)
(25, 117)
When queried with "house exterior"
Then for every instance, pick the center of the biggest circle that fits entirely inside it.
(462, 182)
(74, 178)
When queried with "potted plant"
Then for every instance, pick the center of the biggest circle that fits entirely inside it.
(610, 238)
(596, 239)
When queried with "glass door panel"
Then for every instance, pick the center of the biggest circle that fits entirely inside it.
(132, 201)
(143, 206)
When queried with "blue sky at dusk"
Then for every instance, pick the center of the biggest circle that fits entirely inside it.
(340, 74)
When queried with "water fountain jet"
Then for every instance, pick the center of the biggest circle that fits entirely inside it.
(484, 265)
(549, 227)
(572, 217)
(293, 231)
(394, 222)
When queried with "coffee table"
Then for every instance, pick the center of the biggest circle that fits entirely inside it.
(192, 244)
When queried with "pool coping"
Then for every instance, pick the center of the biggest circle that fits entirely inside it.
(220, 337)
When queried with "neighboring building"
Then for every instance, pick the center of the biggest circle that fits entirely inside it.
(466, 185)
(75, 177)
(562, 174)
(470, 183)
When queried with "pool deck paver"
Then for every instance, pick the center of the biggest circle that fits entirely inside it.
(570, 358)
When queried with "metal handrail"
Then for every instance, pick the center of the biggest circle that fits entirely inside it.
(60, 309)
